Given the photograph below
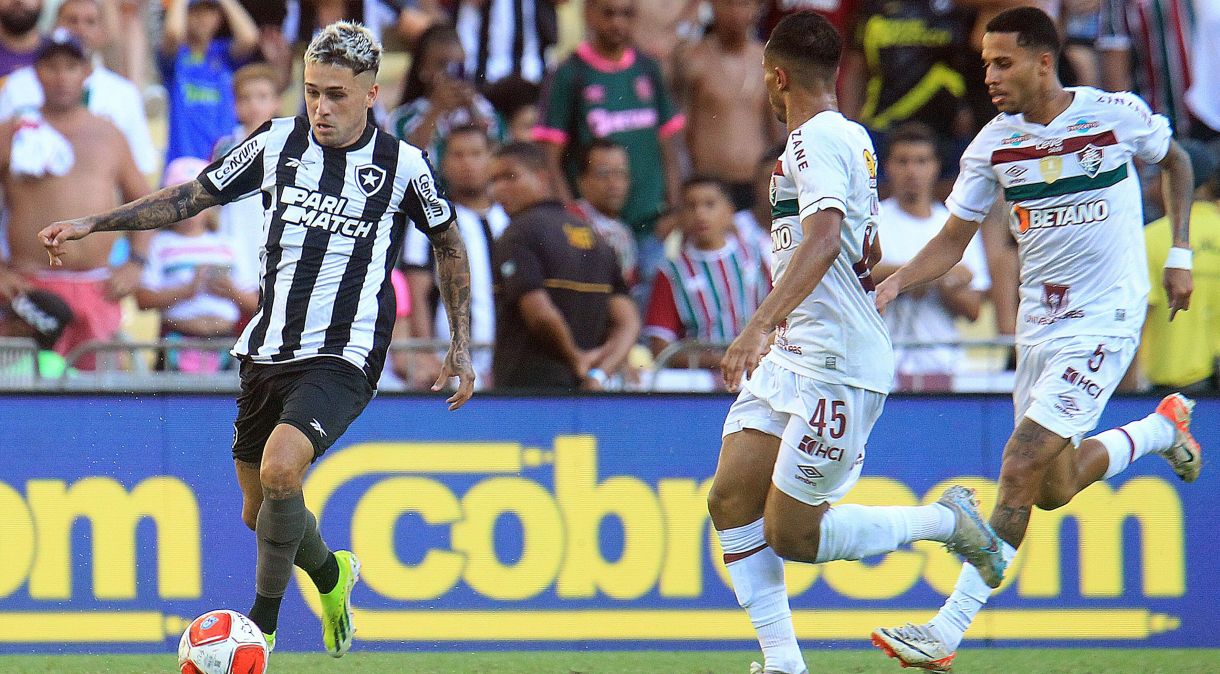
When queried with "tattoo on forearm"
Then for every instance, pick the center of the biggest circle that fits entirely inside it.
(453, 272)
(158, 209)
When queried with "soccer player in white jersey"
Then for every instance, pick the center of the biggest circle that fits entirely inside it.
(794, 439)
(1062, 158)
(338, 194)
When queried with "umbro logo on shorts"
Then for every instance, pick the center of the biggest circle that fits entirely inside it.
(808, 474)
(810, 471)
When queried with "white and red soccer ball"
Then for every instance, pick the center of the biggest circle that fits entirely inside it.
(222, 642)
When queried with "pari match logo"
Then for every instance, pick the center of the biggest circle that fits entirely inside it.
(496, 542)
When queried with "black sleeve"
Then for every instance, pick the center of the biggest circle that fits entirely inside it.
(239, 173)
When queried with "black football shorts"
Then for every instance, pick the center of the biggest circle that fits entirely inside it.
(320, 396)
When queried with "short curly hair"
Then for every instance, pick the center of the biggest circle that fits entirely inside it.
(348, 44)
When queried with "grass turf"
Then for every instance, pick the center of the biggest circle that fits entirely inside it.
(970, 661)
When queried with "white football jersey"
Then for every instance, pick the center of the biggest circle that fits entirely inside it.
(836, 334)
(1075, 207)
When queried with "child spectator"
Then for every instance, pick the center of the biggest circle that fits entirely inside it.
(257, 95)
(711, 289)
(437, 96)
(516, 100)
(197, 70)
(196, 279)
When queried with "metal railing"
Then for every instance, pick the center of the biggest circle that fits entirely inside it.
(990, 356)
(132, 366)
(18, 362)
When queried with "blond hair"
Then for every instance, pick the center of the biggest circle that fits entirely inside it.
(347, 44)
(252, 73)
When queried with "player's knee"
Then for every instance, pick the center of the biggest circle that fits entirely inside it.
(719, 503)
(730, 505)
(279, 478)
(1020, 476)
(790, 544)
(1051, 499)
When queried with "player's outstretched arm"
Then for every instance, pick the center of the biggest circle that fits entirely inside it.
(941, 254)
(158, 209)
(1177, 186)
(453, 273)
(810, 261)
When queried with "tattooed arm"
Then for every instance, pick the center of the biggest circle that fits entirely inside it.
(453, 275)
(158, 209)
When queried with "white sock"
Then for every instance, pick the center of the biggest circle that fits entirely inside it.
(852, 531)
(1153, 433)
(968, 597)
(758, 582)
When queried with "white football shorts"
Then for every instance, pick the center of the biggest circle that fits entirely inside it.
(1063, 384)
(822, 428)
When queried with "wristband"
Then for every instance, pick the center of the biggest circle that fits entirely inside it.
(597, 374)
(1179, 258)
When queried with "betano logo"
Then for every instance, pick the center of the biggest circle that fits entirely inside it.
(669, 558)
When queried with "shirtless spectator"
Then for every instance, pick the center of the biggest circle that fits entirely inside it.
(839, 12)
(663, 26)
(19, 36)
(62, 164)
(107, 93)
(728, 120)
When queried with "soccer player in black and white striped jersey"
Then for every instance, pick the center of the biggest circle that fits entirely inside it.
(337, 194)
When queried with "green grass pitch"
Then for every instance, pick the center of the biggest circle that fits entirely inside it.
(970, 661)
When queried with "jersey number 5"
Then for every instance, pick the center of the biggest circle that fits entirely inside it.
(1097, 358)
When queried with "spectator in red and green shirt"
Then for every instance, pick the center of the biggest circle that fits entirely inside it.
(608, 89)
(714, 285)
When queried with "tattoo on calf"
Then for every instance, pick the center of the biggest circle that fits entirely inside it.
(1010, 522)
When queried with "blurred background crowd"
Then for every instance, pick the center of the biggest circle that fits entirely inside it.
(641, 127)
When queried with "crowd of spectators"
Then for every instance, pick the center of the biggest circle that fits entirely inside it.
(568, 134)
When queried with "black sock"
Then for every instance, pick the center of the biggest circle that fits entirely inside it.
(266, 613)
(326, 577)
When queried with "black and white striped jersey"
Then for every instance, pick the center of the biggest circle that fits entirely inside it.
(334, 220)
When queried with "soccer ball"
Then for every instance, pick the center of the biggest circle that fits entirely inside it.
(222, 642)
